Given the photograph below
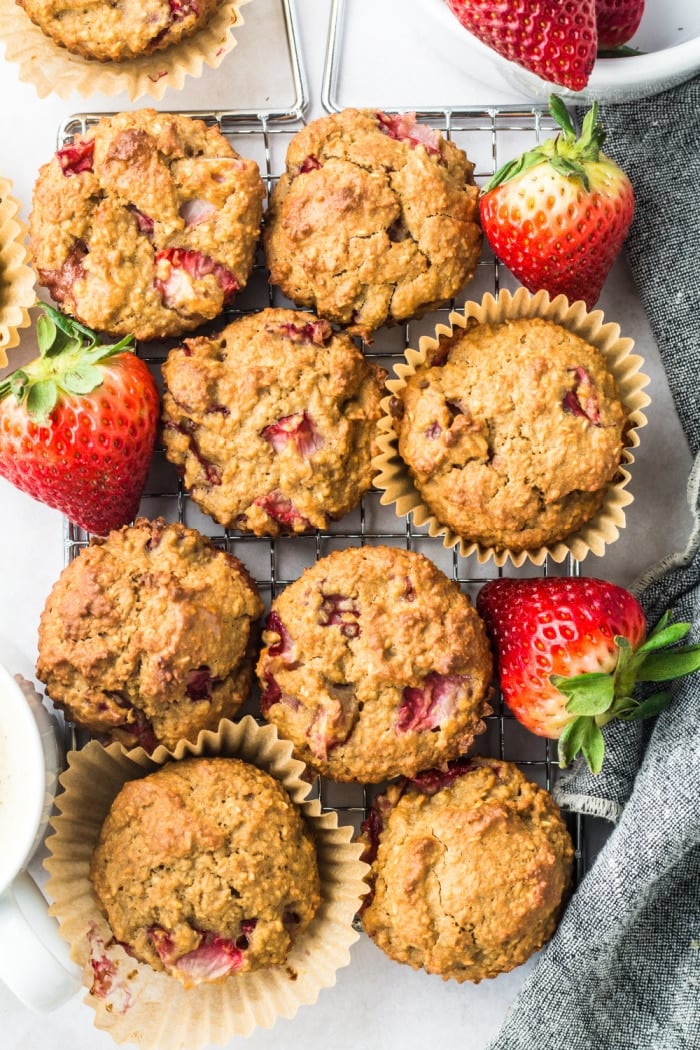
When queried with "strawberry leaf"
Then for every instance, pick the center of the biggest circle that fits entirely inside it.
(587, 694)
(571, 740)
(514, 167)
(593, 747)
(585, 736)
(621, 51)
(45, 334)
(570, 169)
(69, 326)
(41, 399)
(648, 708)
(560, 113)
(659, 667)
(663, 636)
(82, 380)
(17, 384)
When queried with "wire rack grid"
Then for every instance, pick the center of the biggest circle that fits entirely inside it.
(489, 137)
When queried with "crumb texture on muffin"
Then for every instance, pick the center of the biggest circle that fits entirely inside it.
(149, 635)
(272, 422)
(206, 868)
(146, 224)
(470, 870)
(375, 219)
(118, 30)
(375, 664)
(512, 432)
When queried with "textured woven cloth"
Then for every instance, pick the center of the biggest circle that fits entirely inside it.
(623, 970)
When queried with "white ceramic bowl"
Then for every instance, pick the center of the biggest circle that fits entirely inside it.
(669, 36)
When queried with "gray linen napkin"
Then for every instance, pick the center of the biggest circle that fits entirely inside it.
(623, 970)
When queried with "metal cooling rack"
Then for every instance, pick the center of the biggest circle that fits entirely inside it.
(489, 137)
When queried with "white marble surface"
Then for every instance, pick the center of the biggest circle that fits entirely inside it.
(389, 60)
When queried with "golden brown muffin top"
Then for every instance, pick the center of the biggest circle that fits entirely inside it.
(470, 869)
(512, 432)
(146, 224)
(206, 868)
(375, 664)
(147, 635)
(112, 31)
(375, 219)
(273, 421)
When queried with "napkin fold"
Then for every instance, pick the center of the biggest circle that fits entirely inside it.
(622, 971)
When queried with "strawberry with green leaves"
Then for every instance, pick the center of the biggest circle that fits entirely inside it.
(569, 651)
(78, 424)
(558, 215)
(555, 39)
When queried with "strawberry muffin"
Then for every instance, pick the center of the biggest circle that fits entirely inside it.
(375, 219)
(114, 32)
(470, 869)
(273, 422)
(206, 868)
(375, 664)
(149, 635)
(146, 223)
(512, 432)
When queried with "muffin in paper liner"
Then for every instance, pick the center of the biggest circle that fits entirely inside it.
(17, 279)
(53, 69)
(132, 1001)
(392, 474)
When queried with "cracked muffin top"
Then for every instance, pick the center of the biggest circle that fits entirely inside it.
(512, 432)
(374, 221)
(146, 224)
(375, 664)
(206, 868)
(112, 31)
(148, 636)
(470, 869)
(273, 422)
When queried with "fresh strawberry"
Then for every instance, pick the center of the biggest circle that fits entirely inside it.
(78, 425)
(569, 651)
(557, 216)
(617, 21)
(555, 39)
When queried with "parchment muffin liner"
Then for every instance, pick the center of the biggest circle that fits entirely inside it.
(52, 69)
(17, 279)
(133, 1002)
(392, 474)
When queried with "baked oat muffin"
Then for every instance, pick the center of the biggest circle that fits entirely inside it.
(206, 868)
(147, 224)
(273, 422)
(512, 432)
(148, 636)
(116, 31)
(470, 870)
(375, 664)
(375, 219)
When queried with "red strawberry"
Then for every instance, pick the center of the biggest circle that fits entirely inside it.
(617, 21)
(78, 425)
(568, 653)
(555, 39)
(558, 215)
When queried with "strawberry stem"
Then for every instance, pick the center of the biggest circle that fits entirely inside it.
(566, 153)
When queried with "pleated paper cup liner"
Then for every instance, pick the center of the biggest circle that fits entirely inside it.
(51, 69)
(17, 279)
(133, 1002)
(394, 479)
